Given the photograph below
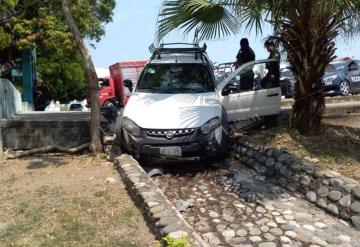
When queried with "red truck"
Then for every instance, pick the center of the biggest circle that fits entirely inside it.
(112, 90)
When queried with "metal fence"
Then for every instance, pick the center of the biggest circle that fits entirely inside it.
(10, 100)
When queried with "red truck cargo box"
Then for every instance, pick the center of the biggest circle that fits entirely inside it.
(122, 71)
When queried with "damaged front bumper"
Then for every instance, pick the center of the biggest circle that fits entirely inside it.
(180, 144)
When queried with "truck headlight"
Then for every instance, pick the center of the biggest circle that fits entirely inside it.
(210, 125)
(131, 127)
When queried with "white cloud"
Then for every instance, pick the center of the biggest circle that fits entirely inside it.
(102, 72)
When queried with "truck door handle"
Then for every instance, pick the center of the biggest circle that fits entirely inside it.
(273, 95)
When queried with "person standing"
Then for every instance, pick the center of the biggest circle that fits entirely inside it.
(245, 54)
(272, 77)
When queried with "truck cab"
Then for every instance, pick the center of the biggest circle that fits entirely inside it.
(116, 89)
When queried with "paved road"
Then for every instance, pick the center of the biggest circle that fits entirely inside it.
(236, 207)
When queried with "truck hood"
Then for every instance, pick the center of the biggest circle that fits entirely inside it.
(172, 111)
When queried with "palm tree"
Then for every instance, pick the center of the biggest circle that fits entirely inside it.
(306, 29)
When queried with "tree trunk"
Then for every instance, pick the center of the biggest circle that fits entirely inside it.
(91, 76)
(308, 40)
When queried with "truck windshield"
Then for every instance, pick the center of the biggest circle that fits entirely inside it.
(176, 78)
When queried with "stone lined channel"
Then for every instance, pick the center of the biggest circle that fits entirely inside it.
(231, 205)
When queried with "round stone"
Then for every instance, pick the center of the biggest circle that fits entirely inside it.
(344, 238)
(348, 187)
(287, 227)
(285, 239)
(267, 244)
(220, 227)
(276, 231)
(272, 224)
(289, 217)
(305, 180)
(211, 238)
(236, 241)
(334, 195)
(319, 174)
(228, 218)
(202, 210)
(228, 233)
(269, 237)
(283, 182)
(280, 220)
(323, 190)
(290, 234)
(241, 233)
(356, 192)
(264, 229)
(320, 225)
(291, 187)
(260, 209)
(345, 201)
(309, 228)
(294, 224)
(332, 208)
(355, 207)
(270, 162)
(321, 203)
(288, 212)
(213, 214)
(333, 240)
(255, 239)
(254, 231)
(311, 196)
(336, 182)
(356, 221)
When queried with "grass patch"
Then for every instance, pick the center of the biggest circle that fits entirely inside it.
(335, 149)
(126, 217)
(29, 220)
(70, 231)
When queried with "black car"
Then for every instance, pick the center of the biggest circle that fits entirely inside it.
(287, 82)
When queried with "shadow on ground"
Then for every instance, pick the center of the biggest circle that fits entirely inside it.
(40, 162)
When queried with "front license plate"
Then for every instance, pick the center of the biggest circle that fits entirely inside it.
(171, 151)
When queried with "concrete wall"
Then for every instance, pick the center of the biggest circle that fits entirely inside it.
(10, 99)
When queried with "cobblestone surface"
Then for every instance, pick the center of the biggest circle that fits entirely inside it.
(237, 207)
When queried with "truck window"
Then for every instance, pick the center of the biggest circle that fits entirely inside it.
(104, 83)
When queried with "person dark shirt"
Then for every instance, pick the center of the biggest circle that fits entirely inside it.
(274, 68)
(245, 55)
(273, 75)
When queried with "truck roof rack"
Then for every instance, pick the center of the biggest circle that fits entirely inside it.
(164, 48)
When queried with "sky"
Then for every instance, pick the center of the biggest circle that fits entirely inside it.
(133, 29)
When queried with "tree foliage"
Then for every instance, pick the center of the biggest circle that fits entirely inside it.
(41, 25)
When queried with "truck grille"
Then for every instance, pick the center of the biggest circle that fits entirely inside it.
(169, 134)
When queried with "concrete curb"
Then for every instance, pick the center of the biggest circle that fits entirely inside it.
(328, 100)
(161, 215)
(330, 110)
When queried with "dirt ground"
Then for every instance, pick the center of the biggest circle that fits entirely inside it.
(67, 200)
(337, 148)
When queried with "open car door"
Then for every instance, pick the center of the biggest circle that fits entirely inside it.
(252, 91)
